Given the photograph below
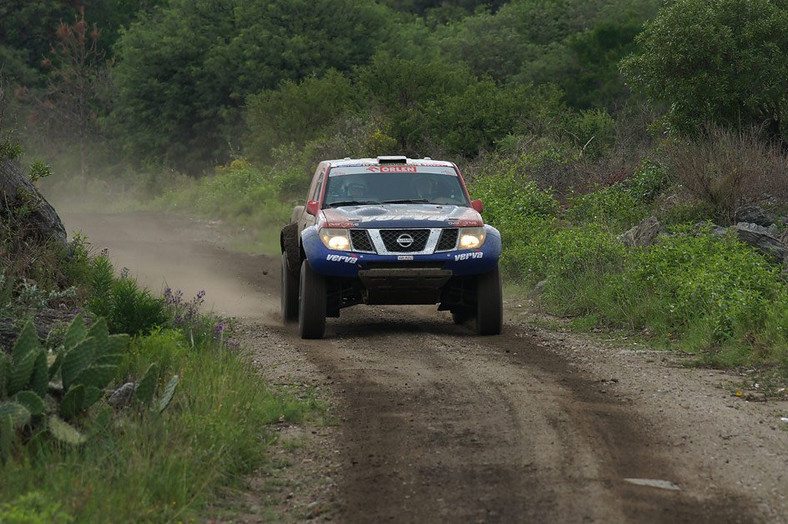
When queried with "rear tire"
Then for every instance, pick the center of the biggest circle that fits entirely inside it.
(489, 303)
(289, 293)
(312, 310)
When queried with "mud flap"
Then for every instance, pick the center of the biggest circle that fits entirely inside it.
(290, 247)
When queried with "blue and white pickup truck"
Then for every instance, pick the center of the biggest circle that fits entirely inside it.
(389, 230)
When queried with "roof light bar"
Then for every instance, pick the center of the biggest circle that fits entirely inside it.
(392, 160)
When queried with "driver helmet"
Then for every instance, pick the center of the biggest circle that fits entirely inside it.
(356, 190)
(425, 187)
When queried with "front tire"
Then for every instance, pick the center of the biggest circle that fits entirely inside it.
(489, 303)
(312, 310)
(289, 293)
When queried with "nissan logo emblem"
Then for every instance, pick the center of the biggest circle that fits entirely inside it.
(405, 240)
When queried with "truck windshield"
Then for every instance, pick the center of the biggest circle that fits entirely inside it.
(394, 188)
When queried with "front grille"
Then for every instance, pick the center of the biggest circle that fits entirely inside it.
(448, 240)
(404, 240)
(360, 241)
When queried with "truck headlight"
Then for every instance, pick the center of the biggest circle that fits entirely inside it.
(471, 237)
(336, 239)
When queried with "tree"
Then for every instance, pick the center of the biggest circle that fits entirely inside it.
(72, 105)
(715, 61)
(296, 112)
(184, 72)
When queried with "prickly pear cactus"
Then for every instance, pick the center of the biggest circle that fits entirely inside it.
(77, 360)
(88, 364)
(72, 402)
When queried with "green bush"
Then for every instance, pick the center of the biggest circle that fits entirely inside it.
(297, 112)
(508, 199)
(127, 307)
(133, 309)
(717, 296)
(649, 180)
(578, 263)
(523, 257)
(613, 208)
(165, 346)
(706, 285)
(593, 131)
(523, 214)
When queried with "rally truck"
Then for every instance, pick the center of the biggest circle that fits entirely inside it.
(389, 230)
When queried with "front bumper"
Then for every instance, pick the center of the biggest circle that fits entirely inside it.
(408, 269)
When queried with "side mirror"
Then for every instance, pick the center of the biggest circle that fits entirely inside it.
(477, 205)
(312, 207)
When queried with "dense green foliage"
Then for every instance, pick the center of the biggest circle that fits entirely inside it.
(723, 61)
(705, 293)
(185, 70)
(187, 85)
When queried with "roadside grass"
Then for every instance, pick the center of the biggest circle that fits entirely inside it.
(693, 291)
(151, 466)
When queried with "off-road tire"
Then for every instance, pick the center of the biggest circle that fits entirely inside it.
(312, 299)
(489, 303)
(289, 293)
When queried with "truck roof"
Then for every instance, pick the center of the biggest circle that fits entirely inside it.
(388, 160)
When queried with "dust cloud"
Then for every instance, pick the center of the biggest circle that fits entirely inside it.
(184, 254)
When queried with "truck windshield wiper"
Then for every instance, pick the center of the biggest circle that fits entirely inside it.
(407, 201)
(352, 203)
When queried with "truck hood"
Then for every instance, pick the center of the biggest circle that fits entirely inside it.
(400, 215)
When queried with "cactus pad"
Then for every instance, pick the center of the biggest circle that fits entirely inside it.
(26, 343)
(97, 375)
(31, 401)
(76, 360)
(169, 392)
(75, 333)
(147, 385)
(22, 370)
(72, 402)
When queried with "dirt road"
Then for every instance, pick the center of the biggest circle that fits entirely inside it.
(439, 425)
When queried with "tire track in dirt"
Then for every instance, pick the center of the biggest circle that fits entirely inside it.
(445, 426)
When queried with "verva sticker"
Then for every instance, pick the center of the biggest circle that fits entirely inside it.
(347, 259)
(468, 256)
